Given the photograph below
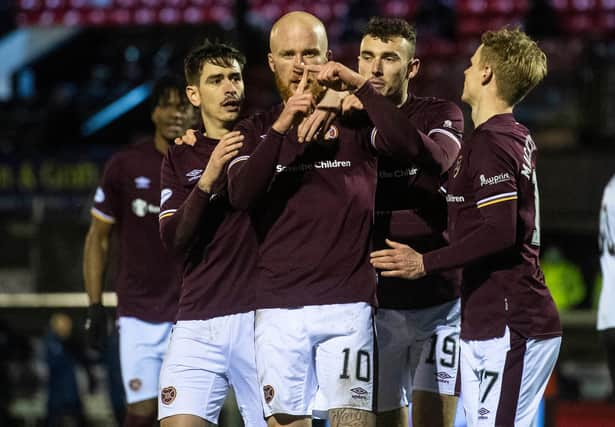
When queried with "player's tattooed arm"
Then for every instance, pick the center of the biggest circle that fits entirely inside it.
(349, 417)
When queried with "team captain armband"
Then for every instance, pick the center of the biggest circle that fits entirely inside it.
(498, 198)
(167, 213)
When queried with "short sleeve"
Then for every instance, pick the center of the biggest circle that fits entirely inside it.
(108, 195)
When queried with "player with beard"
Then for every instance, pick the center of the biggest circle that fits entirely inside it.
(212, 346)
(418, 326)
(313, 206)
(147, 286)
(510, 329)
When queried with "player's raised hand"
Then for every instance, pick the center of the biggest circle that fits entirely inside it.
(337, 76)
(227, 148)
(350, 103)
(398, 261)
(296, 107)
(189, 138)
(317, 123)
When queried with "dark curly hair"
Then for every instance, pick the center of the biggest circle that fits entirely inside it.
(164, 87)
(385, 28)
(216, 53)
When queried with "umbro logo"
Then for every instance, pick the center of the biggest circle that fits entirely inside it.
(142, 182)
(483, 411)
(263, 136)
(443, 376)
(194, 174)
(358, 390)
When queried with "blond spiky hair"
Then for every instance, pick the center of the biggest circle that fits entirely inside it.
(517, 62)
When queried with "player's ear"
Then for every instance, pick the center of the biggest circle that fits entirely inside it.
(329, 55)
(192, 92)
(413, 67)
(487, 74)
(270, 61)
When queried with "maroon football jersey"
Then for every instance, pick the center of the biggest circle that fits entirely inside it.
(214, 244)
(494, 233)
(147, 282)
(410, 192)
(313, 209)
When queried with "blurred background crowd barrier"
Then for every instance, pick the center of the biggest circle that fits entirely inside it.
(74, 79)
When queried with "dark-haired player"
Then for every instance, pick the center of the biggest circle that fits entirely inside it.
(212, 346)
(418, 326)
(147, 285)
(510, 329)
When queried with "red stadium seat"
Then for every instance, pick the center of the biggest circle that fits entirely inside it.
(560, 5)
(472, 7)
(169, 15)
(145, 16)
(469, 26)
(583, 5)
(500, 7)
(73, 18)
(606, 22)
(194, 15)
(55, 4)
(578, 23)
(607, 5)
(29, 5)
(120, 17)
(127, 4)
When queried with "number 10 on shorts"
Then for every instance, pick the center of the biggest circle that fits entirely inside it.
(363, 371)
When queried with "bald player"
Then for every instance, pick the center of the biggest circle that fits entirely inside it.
(510, 329)
(313, 206)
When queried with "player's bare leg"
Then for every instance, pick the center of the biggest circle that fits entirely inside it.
(141, 414)
(395, 418)
(433, 410)
(279, 420)
(185, 420)
(348, 417)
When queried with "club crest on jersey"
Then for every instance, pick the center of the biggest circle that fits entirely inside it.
(168, 395)
(268, 393)
(142, 182)
(457, 166)
(332, 133)
(194, 174)
(135, 384)
(99, 196)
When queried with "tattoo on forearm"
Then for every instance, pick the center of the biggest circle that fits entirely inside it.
(348, 417)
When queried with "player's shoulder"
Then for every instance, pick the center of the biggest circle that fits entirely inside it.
(439, 112)
(260, 119)
(433, 104)
(609, 189)
(133, 152)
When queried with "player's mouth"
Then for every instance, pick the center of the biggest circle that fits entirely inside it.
(231, 104)
(175, 127)
(378, 84)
